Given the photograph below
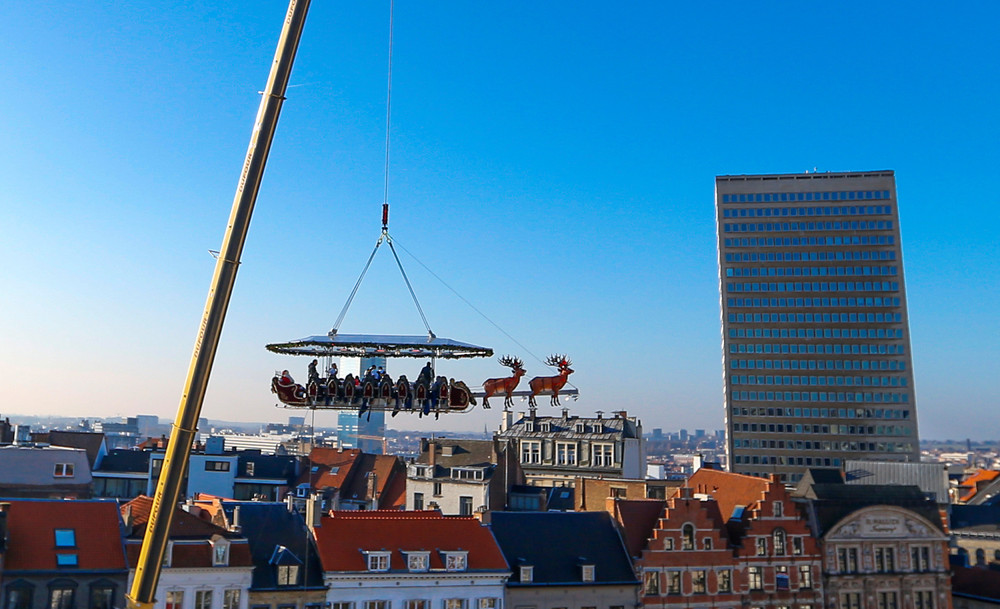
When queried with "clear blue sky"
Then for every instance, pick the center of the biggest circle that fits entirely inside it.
(553, 161)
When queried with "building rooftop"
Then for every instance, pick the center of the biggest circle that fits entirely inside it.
(557, 544)
(34, 545)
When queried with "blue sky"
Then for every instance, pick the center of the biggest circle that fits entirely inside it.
(553, 162)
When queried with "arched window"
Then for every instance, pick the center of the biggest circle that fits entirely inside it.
(779, 542)
(687, 537)
(980, 557)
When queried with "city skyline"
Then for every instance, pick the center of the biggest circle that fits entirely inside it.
(555, 164)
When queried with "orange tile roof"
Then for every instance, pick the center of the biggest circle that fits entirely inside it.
(729, 490)
(972, 482)
(344, 536)
(32, 524)
(333, 467)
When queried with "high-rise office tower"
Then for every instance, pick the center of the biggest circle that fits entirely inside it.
(815, 333)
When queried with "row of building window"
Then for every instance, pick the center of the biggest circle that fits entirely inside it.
(795, 227)
(815, 333)
(826, 413)
(881, 447)
(822, 396)
(419, 603)
(781, 212)
(416, 561)
(62, 595)
(817, 364)
(601, 455)
(823, 195)
(871, 301)
(849, 381)
(815, 286)
(825, 318)
(810, 256)
(813, 271)
(885, 560)
(809, 241)
(821, 348)
(652, 585)
(843, 430)
(202, 599)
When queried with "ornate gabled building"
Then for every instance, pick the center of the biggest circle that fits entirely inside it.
(555, 451)
(884, 547)
(731, 539)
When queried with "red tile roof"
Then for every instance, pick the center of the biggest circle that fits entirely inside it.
(190, 533)
(344, 536)
(638, 517)
(729, 490)
(32, 524)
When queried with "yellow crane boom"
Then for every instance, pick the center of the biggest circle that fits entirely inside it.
(147, 574)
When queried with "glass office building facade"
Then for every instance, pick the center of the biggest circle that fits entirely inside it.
(816, 342)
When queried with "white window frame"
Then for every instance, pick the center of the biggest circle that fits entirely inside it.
(531, 451)
(418, 561)
(527, 574)
(456, 561)
(567, 453)
(378, 562)
(602, 455)
(220, 552)
(588, 572)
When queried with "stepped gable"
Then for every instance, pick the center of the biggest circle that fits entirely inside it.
(729, 490)
(344, 536)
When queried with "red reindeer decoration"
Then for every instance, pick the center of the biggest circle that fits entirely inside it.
(504, 385)
(546, 384)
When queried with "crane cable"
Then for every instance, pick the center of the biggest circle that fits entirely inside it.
(384, 236)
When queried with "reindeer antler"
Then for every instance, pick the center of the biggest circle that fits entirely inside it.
(510, 361)
(558, 360)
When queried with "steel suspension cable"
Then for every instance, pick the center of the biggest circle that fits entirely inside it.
(413, 295)
(473, 307)
(388, 111)
(357, 284)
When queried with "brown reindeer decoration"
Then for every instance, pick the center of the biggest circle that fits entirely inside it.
(545, 384)
(504, 385)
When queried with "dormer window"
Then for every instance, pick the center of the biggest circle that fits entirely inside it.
(587, 572)
(598, 428)
(546, 427)
(378, 561)
(581, 428)
(456, 561)
(417, 561)
(527, 574)
(529, 426)
(220, 552)
(288, 575)
(250, 468)
(63, 470)
(302, 490)
(420, 471)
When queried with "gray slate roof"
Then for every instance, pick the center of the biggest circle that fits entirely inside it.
(932, 478)
(557, 544)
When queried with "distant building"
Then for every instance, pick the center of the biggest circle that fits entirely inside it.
(462, 477)
(592, 493)
(554, 451)
(349, 479)
(817, 363)
(50, 472)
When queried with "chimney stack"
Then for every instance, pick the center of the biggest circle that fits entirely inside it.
(432, 455)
